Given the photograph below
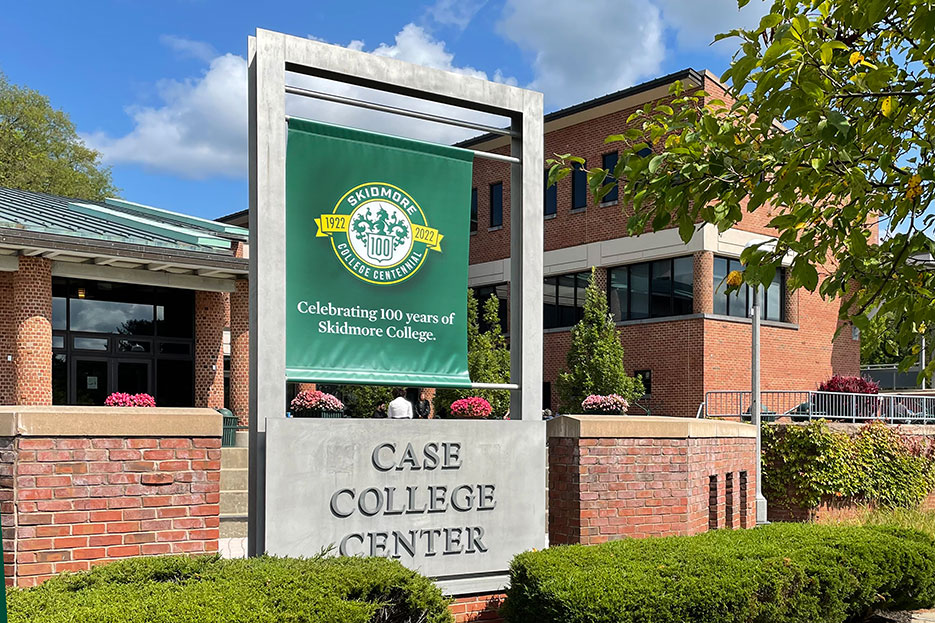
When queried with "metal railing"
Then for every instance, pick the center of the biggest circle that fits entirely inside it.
(802, 406)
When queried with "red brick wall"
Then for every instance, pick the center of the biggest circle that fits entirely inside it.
(70, 503)
(606, 489)
(482, 607)
(7, 340)
(240, 351)
(32, 317)
(210, 321)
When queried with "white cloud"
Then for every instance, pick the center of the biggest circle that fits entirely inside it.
(188, 48)
(457, 13)
(199, 130)
(582, 50)
(696, 23)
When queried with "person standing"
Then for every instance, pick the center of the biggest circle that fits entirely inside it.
(423, 408)
(399, 408)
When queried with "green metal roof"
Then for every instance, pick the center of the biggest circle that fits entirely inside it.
(114, 220)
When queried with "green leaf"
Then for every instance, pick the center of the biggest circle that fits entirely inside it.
(770, 21)
(656, 162)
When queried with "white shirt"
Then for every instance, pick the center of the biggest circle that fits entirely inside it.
(399, 409)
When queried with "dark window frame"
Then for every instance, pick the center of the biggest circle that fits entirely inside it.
(549, 197)
(744, 298)
(579, 186)
(473, 210)
(498, 221)
(580, 283)
(626, 315)
(613, 196)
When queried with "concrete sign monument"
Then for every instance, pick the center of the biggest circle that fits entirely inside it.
(453, 499)
(433, 495)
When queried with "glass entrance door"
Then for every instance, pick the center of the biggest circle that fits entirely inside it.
(91, 382)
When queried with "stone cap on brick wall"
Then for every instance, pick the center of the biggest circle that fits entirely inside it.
(638, 426)
(72, 421)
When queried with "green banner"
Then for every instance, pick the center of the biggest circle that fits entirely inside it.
(376, 258)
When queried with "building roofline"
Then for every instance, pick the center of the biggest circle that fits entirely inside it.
(233, 216)
(604, 99)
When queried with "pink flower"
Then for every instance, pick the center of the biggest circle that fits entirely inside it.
(471, 407)
(612, 403)
(314, 400)
(123, 399)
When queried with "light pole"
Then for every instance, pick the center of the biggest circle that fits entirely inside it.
(755, 407)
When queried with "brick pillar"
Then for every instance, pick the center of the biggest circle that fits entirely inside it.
(703, 283)
(32, 319)
(210, 316)
(791, 303)
(240, 351)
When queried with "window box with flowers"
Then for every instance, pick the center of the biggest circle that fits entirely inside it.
(611, 404)
(314, 403)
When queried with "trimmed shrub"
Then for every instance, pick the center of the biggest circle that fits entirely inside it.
(179, 589)
(782, 573)
(849, 385)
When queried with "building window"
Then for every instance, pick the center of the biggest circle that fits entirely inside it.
(652, 289)
(646, 376)
(483, 293)
(473, 210)
(110, 337)
(608, 162)
(550, 199)
(564, 299)
(739, 303)
(496, 204)
(579, 187)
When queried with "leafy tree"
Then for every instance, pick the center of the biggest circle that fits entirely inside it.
(595, 360)
(878, 344)
(828, 128)
(41, 151)
(488, 361)
(362, 401)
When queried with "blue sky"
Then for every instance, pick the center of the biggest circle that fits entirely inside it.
(159, 87)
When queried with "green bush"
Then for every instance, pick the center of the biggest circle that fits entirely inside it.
(488, 361)
(802, 464)
(782, 573)
(594, 363)
(178, 589)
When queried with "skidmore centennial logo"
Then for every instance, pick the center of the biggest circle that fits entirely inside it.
(379, 233)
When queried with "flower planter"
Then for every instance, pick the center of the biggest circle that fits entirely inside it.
(617, 412)
(318, 414)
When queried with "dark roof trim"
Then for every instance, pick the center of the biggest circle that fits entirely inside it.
(234, 216)
(600, 101)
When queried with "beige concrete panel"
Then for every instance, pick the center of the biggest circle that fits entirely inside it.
(72, 421)
(645, 427)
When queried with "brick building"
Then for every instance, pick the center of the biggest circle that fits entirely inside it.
(679, 329)
(116, 296)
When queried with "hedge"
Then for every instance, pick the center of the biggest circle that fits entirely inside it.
(781, 573)
(179, 589)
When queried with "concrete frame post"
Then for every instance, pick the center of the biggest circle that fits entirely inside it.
(270, 54)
